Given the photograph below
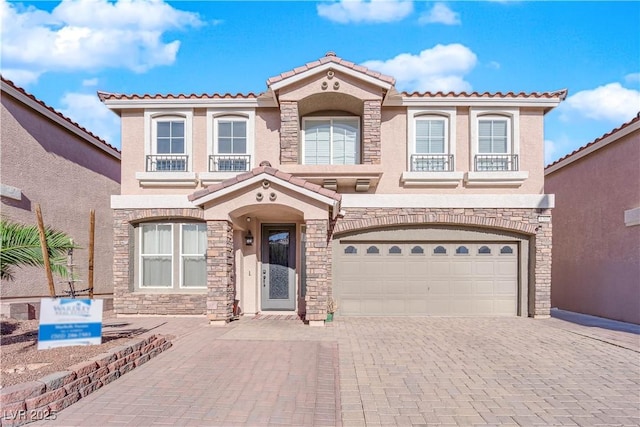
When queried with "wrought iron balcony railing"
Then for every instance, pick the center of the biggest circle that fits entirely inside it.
(229, 163)
(496, 162)
(167, 163)
(432, 163)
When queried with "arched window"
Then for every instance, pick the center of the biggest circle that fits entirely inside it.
(417, 250)
(394, 250)
(462, 250)
(350, 250)
(484, 250)
(439, 250)
(373, 250)
(506, 250)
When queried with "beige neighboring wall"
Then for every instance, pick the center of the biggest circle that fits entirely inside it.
(45, 163)
(596, 257)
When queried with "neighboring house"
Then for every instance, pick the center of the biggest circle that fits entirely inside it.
(49, 160)
(333, 184)
(596, 237)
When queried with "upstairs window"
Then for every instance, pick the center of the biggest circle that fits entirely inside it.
(333, 141)
(169, 145)
(431, 135)
(230, 151)
(496, 141)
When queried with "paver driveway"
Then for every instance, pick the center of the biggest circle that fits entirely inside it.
(373, 371)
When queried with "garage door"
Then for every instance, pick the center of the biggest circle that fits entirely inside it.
(426, 278)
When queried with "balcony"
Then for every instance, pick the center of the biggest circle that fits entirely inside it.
(229, 163)
(432, 163)
(431, 170)
(495, 162)
(496, 170)
(164, 170)
(167, 163)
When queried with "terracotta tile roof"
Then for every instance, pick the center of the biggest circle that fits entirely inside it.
(562, 94)
(104, 96)
(57, 113)
(299, 182)
(330, 57)
(595, 141)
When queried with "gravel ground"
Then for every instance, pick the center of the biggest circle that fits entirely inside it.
(21, 361)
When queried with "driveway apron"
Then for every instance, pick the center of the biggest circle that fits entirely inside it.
(378, 371)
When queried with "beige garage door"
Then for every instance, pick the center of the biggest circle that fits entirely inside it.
(426, 278)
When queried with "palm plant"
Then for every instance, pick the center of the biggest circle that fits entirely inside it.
(21, 247)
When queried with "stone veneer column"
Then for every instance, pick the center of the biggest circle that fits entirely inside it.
(371, 151)
(121, 231)
(317, 268)
(289, 132)
(542, 270)
(220, 272)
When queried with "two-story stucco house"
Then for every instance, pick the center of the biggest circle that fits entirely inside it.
(332, 184)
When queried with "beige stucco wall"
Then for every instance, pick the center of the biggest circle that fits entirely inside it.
(596, 258)
(393, 145)
(67, 177)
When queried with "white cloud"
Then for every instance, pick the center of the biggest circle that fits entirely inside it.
(441, 68)
(20, 77)
(610, 102)
(374, 11)
(87, 110)
(440, 14)
(632, 78)
(90, 35)
(90, 82)
(549, 151)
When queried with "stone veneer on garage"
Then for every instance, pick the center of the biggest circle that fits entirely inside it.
(217, 302)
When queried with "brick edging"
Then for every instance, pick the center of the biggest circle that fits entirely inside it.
(34, 400)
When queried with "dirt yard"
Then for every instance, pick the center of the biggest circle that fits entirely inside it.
(21, 361)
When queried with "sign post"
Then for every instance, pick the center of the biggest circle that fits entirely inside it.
(67, 321)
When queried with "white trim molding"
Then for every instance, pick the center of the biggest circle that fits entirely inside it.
(524, 201)
(163, 179)
(330, 66)
(495, 179)
(632, 217)
(151, 202)
(435, 179)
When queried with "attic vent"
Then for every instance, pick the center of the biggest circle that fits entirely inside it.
(330, 53)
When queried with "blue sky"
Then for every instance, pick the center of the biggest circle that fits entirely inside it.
(63, 52)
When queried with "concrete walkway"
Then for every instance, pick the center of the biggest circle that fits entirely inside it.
(376, 371)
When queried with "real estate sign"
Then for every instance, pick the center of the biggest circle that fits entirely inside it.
(69, 321)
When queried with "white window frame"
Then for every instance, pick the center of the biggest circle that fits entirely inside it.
(233, 114)
(182, 255)
(418, 113)
(511, 115)
(141, 257)
(176, 257)
(432, 178)
(152, 117)
(358, 154)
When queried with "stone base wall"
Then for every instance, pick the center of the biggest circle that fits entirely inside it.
(44, 398)
(125, 301)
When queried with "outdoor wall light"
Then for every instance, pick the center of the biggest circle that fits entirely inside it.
(248, 239)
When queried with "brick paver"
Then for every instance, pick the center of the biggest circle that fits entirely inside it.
(377, 371)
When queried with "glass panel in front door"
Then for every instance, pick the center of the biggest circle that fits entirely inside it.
(278, 264)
